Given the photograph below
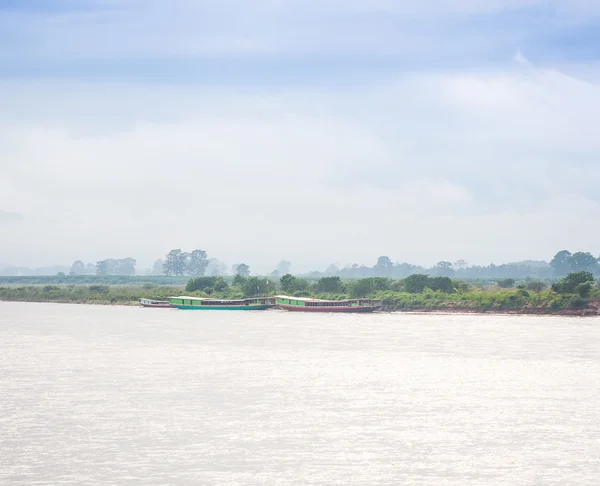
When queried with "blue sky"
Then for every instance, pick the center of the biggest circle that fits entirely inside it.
(475, 119)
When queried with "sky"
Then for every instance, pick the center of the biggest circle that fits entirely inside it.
(311, 131)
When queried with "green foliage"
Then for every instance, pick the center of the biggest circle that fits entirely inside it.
(197, 263)
(242, 269)
(292, 285)
(569, 284)
(217, 284)
(536, 286)
(176, 262)
(506, 283)
(417, 283)
(329, 285)
(100, 289)
(584, 289)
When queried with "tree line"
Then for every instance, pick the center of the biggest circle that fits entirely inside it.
(197, 263)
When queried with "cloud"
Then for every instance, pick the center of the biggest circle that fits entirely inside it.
(483, 166)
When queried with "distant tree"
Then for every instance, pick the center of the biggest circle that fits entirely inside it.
(461, 264)
(255, 286)
(443, 284)
(583, 261)
(283, 267)
(197, 263)
(105, 267)
(90, 269)
(275, 273)
(78, 268)
(363, 287)
(287, 283)
(506, 283)
(290, 284)
(384, 266)
(332, 269)
(158, 267)
(125, 266)
(536, 286)
(416, 283)
(561, 263)
(242, 269)
(176, 263)
(332, 285)
(217, 284)
(216, 267)
(443, 269)
(239, 281)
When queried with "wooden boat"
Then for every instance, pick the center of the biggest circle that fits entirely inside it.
(302, 304)
(154, 303)
(204, 303)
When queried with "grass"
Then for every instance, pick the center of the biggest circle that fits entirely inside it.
(485, 299)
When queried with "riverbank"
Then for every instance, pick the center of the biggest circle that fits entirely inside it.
(486, 301)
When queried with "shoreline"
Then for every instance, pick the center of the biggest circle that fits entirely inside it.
(591, 311)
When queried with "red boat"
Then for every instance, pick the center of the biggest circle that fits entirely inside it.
(301, 304)
(154, 303)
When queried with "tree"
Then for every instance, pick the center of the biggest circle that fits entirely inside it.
(506, 283)
(125, 266)
(330, 285)
(176, 263)
(570, 283)
(241, 269)
(78, 268)
(583, 261)
(197, 263)
(443, 269)
(461, 264)
(217, 284)
(158, 267)
(283, 267)
(104, 267)
(561, 262)
(536, 286)
(384, 266)
(416, 283)
(363, 287)
(216, 267)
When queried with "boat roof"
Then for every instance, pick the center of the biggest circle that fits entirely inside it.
(310, 299)
(188, 297)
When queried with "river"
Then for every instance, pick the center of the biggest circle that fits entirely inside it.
(129, 396)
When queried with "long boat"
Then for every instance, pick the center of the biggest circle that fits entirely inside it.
(302, 304)
(207, 303)
(154, 303)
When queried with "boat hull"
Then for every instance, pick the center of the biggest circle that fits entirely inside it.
(223, 307)
(340, 309)
(160, 306)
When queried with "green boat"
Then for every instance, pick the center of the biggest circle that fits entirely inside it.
(207, 303)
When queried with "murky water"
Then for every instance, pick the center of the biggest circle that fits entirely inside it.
(129, 396)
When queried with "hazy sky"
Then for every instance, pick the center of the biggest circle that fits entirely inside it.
(313, 131)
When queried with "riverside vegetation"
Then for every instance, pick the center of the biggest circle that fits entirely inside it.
(576, 294)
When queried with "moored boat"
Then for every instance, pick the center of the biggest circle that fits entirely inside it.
(302, 304)
(154, 303)
(207, 303)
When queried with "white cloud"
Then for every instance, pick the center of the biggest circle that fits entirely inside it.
(481, 166)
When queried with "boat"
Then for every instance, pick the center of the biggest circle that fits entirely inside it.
(302, 304)
(154, 303)
(207, 303)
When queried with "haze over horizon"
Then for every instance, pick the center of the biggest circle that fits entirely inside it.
(315, 132)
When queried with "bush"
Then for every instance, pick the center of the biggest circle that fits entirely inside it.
(506, 283)
(584, 289)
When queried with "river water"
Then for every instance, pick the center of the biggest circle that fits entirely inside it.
(129, 396)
